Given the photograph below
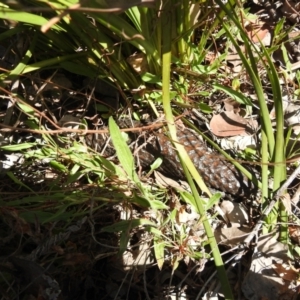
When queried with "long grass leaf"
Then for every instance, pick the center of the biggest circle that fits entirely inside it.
(17, 181)
(184, 158)
(123, 152)
(26, 18)
(127, 224)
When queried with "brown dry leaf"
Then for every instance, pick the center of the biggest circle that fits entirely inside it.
(182, 215)
(294, 232)
(167, 182)
(138, 62)
(291, 113)
(73, 259)
(23, 227)
(296, 197)
(262, 281)
(238, 142)
(286, 271)
(231, 105)
(69, 121)
(235, 212)
(296, 129)
(138, 258)
(259, 32)
(228, 124)
(17, 223)
(291, 11)
(286, 201)
(234, 60)
(58, 249)
(210, 57)
(231, 236)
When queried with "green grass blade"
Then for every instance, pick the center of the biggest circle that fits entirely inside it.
(18, 147)
(127, 224)
(184, 158)
(26, 18)
(123, 152)
(17, 181)
(159, 248)
(235, 95)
